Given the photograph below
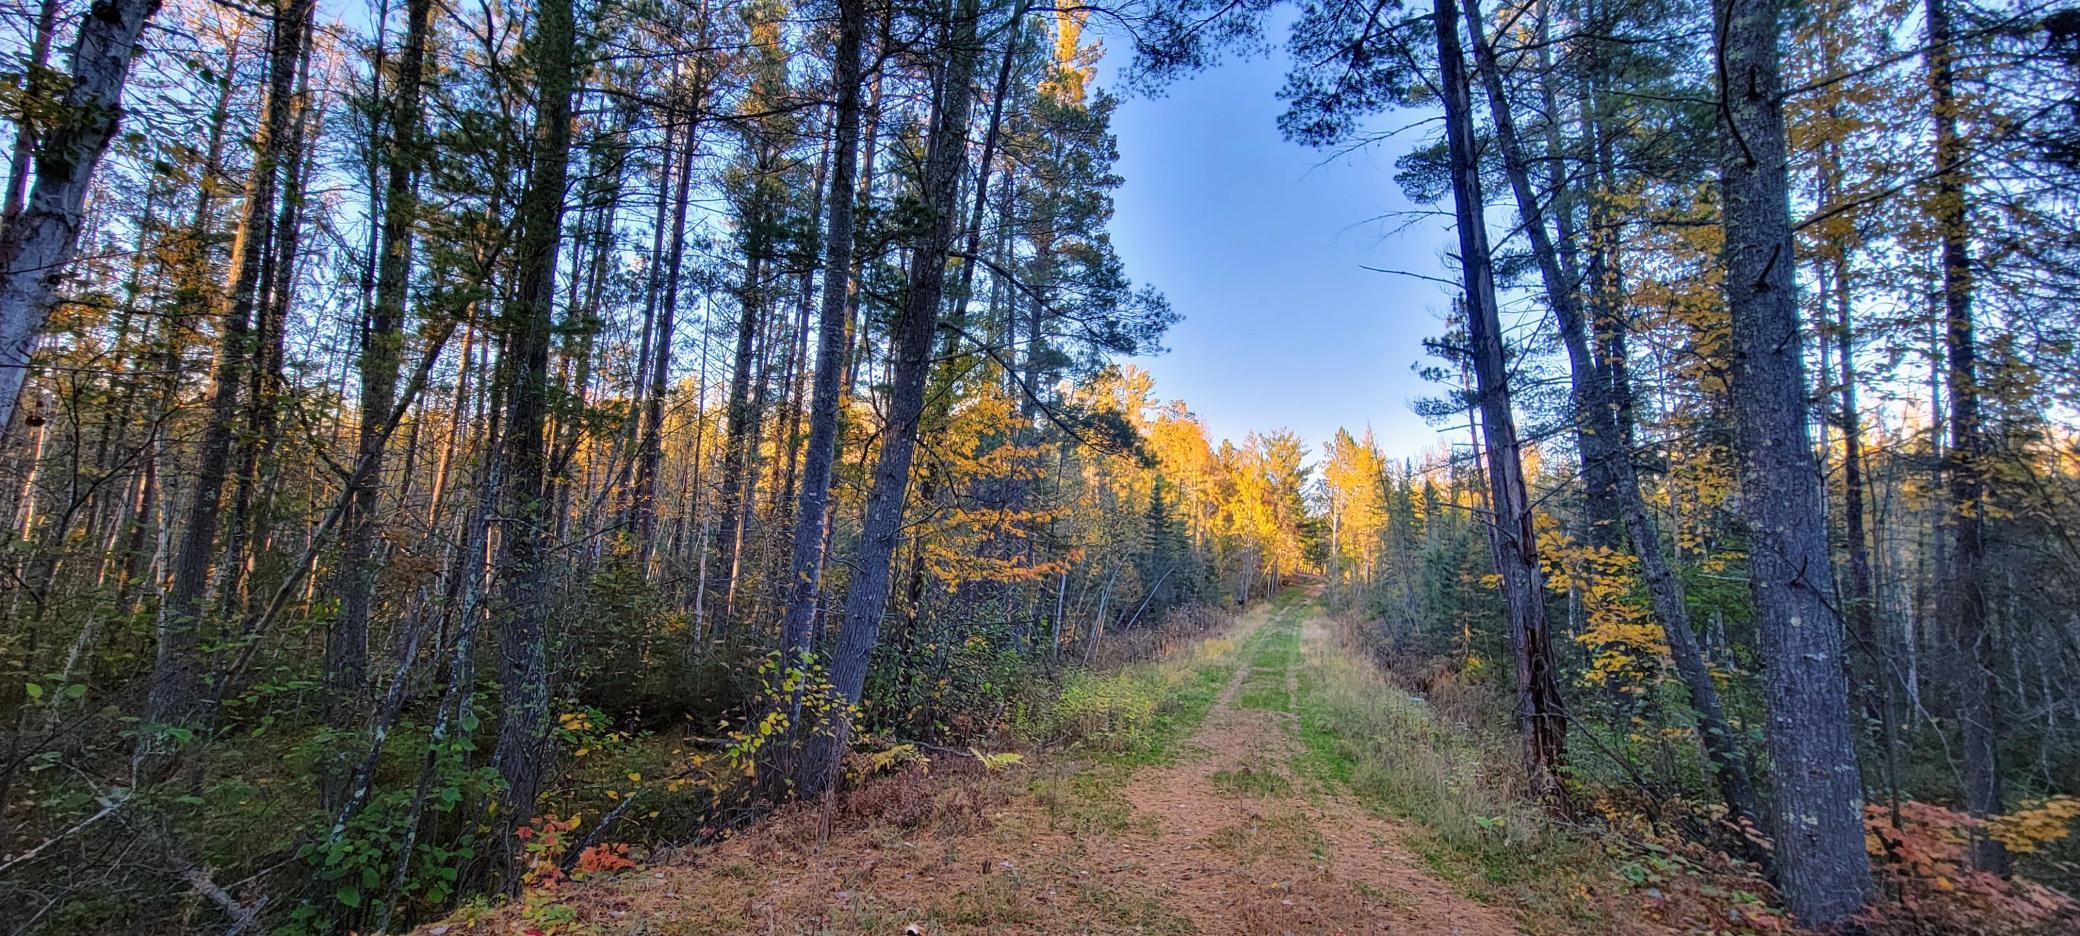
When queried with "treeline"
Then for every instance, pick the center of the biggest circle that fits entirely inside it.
(423, 428)
(1758, 379)
(432, 427)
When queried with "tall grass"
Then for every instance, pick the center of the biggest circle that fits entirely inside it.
(1462, 787)
(1389, 745)
(1136, 712)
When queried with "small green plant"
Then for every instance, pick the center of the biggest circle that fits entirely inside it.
(356, 866)
(1251, 781)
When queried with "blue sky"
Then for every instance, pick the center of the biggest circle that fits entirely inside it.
(1262, 245)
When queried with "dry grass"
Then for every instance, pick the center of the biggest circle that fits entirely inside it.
(1251, 780)
(1462, 788)
(1388, 744)
(1281, 833)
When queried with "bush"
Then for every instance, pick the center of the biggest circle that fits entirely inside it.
(1923, 862)
(1106, 713)
(1135, 710)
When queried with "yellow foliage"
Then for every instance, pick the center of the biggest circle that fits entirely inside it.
(977, 448)
(2036, 825)
(1352, 471)
(1619, 629)
(997, 761)
(890, 760)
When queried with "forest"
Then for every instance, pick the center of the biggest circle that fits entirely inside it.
(459, 459)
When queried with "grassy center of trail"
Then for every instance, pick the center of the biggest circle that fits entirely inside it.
(1359, 737)
(1273, 657)
(1231, 821)
(1254, 781)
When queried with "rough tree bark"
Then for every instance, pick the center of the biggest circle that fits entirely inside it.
(520, 605)
(813, 505)
(1817, 811)
(1541, 720)
(866, 596)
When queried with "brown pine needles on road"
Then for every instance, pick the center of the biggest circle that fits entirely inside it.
(1220, 837)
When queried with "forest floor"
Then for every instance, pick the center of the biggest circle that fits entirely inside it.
(1229, 825)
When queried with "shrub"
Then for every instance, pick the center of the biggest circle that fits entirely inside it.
(1923, 861)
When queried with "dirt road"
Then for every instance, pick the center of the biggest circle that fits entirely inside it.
(1245, 844)
(1223, 833)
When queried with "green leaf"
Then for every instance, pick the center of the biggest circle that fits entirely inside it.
(35, 691)
(349, 896)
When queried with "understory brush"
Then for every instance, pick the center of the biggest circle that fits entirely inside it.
(1112, 721)
(1135, 712)
(1449, 764)
(1461, 787)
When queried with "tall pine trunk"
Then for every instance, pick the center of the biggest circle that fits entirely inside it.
(520, 605)
(1612, 481)
(866, 596)
(1541, 720)
(1963, 596)
(175, 691)
(1817, 810)
(813, 505)
(650, 448)
(740, 427)
(1872, 688)
(346, 642)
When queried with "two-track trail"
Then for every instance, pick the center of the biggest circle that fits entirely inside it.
(1244, 844)
(1223, 834)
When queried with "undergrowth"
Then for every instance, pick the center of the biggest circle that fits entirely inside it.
(1113, 722)
(1134, 715)
(1479, 829)
(1460, 789)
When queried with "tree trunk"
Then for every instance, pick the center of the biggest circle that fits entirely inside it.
(1612, 482)
(521, 602)
(870, 135)
(279, 291)
(245, 526)
(1817, 810)
(346, 642)
(866, 595)
(740, 425)
(175, 692)
(1873, 687)
(1963, 600)
(813, 505)
(37, 61)
(36, 243)
(650, 451)
(1541, 720)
